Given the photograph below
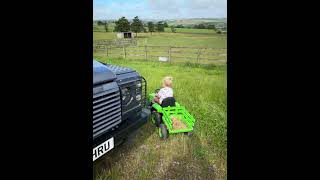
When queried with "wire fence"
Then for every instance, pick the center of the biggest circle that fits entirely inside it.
(103, 43)
(202, 55)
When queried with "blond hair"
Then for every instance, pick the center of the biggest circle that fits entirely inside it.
(167, 81)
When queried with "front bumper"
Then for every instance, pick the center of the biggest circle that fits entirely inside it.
(124, 129)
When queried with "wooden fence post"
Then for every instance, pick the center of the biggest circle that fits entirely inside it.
(199, 53)
(198, 59)
(124, 51)
(145, 50)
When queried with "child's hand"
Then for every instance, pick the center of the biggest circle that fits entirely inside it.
(155, 100)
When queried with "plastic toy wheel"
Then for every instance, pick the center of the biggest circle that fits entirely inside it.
(163, 131)
(156, 118)
(188, 133)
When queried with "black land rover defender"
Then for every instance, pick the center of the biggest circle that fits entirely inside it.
(119, 105)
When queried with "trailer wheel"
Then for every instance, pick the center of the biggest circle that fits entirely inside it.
(163, 131)
(156, 118)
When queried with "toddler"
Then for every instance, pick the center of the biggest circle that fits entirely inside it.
(165, 91)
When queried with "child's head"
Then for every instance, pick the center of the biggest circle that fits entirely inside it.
(167, 81)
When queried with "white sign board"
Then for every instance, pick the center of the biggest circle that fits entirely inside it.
(163, 59)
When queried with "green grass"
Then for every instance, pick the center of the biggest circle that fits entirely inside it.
(104, 35)
(202, 90)
(97, 28)
(178, 55)
(183, 37)
(187, 30)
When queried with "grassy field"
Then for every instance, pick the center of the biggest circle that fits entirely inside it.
(97, 28)
(202, 89)
(183, 37)
(190, 30)
(194, 21)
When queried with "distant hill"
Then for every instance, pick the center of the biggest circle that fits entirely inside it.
(194, 21)
(220, 23)
(183, 21)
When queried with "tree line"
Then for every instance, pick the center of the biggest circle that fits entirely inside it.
(197, 26)
(103, 23)
(137, 26)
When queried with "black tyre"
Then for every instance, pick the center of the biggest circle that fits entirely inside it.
(163, 131)
(156, 118)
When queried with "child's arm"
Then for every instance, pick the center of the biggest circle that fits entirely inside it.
(157, 97)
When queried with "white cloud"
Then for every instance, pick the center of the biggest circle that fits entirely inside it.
(155, 9)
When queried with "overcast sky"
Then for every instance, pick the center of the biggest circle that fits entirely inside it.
(159, 9)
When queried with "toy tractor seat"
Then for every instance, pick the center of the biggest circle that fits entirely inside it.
(169, 101)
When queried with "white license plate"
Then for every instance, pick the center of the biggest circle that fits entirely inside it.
(103, 148)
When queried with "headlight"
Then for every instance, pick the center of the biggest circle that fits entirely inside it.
(138, 84)
(125, 93)
(138, 97)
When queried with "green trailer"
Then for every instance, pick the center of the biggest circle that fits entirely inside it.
(162, 118)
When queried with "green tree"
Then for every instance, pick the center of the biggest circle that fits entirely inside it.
(99, 23)
(122, 25)
(151, 27)
(212, 26)
(180, 26)
(165, 24)
(160, 26)
(199, 26)
(173, 29)
(136, 25)
(106, 26)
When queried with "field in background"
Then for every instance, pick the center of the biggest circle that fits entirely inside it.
(152, 53)
(199, 46)
(202, 89)
(97, 28)
(190, 30)
(193, 21)
(183, 37)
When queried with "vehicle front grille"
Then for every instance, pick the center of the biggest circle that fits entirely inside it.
(106, 111)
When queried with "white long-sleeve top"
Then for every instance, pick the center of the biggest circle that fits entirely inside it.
(164, 93)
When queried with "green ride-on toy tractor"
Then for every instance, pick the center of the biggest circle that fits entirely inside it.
(162, 116)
